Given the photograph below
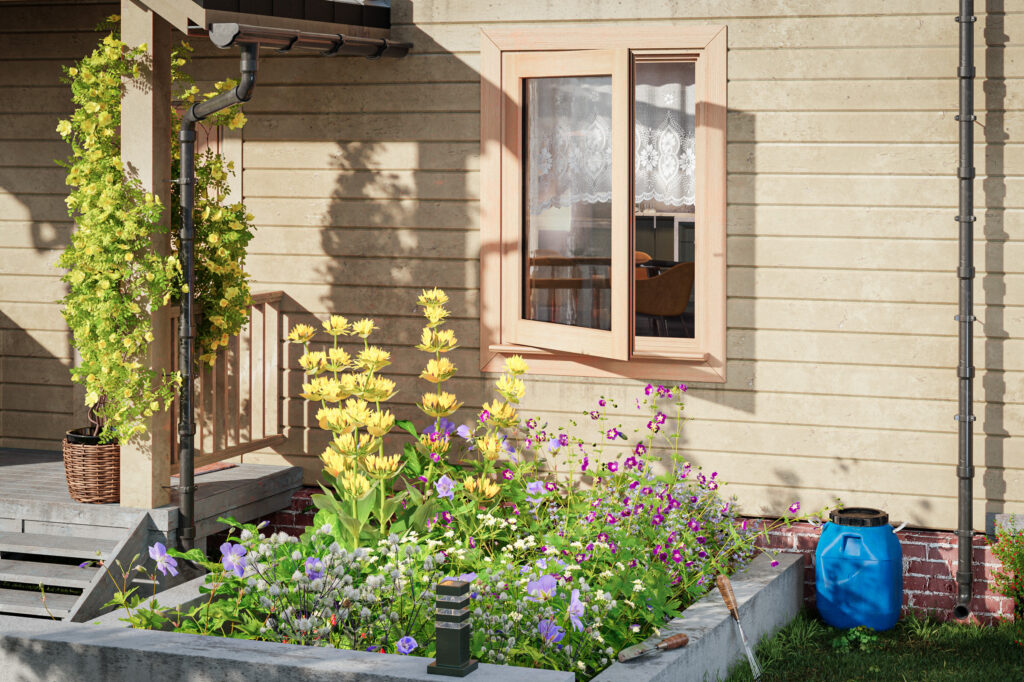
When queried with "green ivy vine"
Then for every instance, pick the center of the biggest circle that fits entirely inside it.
(115, 275)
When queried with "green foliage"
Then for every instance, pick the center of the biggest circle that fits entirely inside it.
(1009, 578)
(860, 638)
(115, 273)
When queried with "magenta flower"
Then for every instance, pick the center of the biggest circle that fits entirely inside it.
(531, 423)
(549, 632)
(649, 389)
(646, 490)
(657, 520)
(682, 387)
(507, 474)
(595, 415)
(233, 558)
(630, 463)
(660, 418)
(406, 645)
(434, 456)
(640, 450)
(164, 563)
(774, 563)
(612, 466)
(794, 508)
(446, 517)
(591, 517)
(585, 464)
(550, 486)
(602, 402)
(610, 518)
(677, 556)
(484, 416)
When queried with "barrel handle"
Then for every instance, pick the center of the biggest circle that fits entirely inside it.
(900, 527)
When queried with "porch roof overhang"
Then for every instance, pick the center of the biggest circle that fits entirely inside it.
(366, 19)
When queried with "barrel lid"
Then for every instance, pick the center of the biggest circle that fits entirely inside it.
(863, 517)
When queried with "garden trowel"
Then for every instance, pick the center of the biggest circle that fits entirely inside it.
(673, 642)
(725, 589)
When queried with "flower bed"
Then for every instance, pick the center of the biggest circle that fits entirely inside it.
(566, 569)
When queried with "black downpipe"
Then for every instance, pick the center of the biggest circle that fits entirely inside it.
(965, 273)
(186, 421)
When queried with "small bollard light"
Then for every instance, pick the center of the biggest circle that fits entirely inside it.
(451, 627)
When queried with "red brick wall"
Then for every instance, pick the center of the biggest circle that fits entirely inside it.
(929, 570)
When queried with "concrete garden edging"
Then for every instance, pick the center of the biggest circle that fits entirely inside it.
(107, 650)
(768, 598)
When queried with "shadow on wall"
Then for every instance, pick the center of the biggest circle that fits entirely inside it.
(993, 283)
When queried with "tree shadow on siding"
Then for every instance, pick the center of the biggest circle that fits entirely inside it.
(993, 283)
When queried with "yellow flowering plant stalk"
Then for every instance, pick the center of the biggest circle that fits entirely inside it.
(350, 390)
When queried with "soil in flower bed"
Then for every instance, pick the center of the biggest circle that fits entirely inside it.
(917, 649)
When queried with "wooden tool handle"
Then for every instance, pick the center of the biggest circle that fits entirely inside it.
(674, 642)
(725, 588)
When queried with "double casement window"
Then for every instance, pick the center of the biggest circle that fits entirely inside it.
(603, 201)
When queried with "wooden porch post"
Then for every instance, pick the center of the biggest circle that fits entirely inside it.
(146, 152)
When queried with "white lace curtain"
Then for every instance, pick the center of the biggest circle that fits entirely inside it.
(569, 138)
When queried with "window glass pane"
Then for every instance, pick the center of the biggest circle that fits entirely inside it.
(664, 189)
(567, 181)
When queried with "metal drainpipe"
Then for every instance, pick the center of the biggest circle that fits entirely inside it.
(186, 421)
(965, 369)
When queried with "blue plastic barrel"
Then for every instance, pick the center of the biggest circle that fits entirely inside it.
(859, 570)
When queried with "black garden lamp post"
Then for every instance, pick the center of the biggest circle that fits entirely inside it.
(452, 630)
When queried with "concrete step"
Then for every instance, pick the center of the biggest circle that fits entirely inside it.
(36, 572)
(55, 545)
(30, 603)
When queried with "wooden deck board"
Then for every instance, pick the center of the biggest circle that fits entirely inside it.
(30, 603)
(50, 545)
(35, 572)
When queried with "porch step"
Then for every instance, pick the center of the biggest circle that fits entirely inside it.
(30, 603)
(35, 572)
(56, 545)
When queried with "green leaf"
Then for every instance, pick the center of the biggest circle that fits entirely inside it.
(365, 504)
(408, 427)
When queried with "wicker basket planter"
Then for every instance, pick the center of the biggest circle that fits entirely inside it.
(93, 470)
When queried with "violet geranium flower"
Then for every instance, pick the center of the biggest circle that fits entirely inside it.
(535, 488)
(445, 487)
(233, 558)
(549, 632)
(314, 568)
(541, 589)
(165, 564)
(575, 610)
(406, 645)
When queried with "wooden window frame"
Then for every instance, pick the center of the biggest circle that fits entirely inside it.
(699, 359)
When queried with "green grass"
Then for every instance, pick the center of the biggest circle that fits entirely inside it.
(917, 650)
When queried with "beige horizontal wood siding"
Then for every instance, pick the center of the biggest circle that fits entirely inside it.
(363, 179)
(37, 402)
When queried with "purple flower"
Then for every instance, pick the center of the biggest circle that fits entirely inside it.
(677, 556)
(702, 554)
(550, 486)
(595, 415)
(374, 648)
(602, 537)
(646, 490)
(613, 433)
(314, 568)
(531, 423)
(682, 387)
(649, 389)
(634, 484)
(164, 563)
(406, 645)
(657, 520)
(585, 464)
(484, 416)
(794, 508)
(541, 589)
(446, 517)
(694, 525)
(610, 518)
(580, 557)
(445, 487)
(630, 462)
(613, 466)
(434, 456)
(640, 450)
(701, 539)
(602, 402)
(507, 474)
(465, 433)
(464, 577)
(233, 558)
(743, 526)
(549, 632)
(653, 427)
(535, 488)
(576, 610)
(659, 418)
(774, 563)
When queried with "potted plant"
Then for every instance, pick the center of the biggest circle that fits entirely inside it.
(117, 278)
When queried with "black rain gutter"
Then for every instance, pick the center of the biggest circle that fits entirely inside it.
(249, 39)
(965, 318)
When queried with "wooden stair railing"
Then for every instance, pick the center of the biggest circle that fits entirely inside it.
(238, 399)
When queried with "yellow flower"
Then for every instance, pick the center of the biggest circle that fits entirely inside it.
(363, 327)
(348, 384)
(64, 128)
(336, 463)
(434, 296)
(439, 405)
(313, 362)
(438, 371)
(515, 365)
(301, 333)
(348, 444)
(490, 446)
(511, 388)
(379, 423)
(354, 484)
(378, 389)
(322, 388)
(481, 487)
(336, 326)
(333, 419)
(437, 340)
(357, 411)
(337, 359)
(435, 315)
(373, 359)
(435, 442)
(501, 414)
(381, 467)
